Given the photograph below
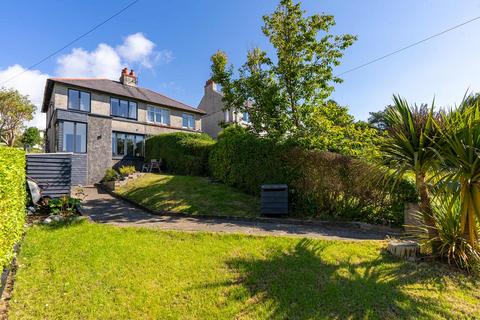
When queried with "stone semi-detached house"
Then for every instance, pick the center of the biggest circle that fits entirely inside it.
(104, 122)
(216, 116)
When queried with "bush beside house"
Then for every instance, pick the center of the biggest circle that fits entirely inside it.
(180, 152)
(12, 201)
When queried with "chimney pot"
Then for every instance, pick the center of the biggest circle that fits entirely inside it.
(210, 85)
(128, 78)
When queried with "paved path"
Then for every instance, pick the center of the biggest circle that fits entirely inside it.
(103, 208)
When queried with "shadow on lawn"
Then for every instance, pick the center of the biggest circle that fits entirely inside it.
(300, 285)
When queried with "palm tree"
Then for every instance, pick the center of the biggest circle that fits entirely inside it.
(409, 149)
(460, 160)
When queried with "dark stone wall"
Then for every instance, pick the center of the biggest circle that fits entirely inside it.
(99, 147)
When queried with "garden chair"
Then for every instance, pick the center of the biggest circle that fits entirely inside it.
(152, 165)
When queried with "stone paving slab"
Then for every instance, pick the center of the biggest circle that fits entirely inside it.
(102, 207)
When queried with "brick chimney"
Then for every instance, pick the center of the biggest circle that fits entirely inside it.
(129, 79)
(210, 85)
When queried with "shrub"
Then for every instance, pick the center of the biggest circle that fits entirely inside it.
(110, 175)
(126, 170)
(180, 152)
(453, 245)
(321, 184)
(12, 201)
(327, 184)
(64, 206)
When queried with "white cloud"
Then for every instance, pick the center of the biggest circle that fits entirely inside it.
(31, 83)
(106, 61)
(103, 62)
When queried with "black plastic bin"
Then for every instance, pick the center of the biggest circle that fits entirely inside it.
(274, 199)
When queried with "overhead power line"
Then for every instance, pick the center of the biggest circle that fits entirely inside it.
(409, 46)
(72, 42)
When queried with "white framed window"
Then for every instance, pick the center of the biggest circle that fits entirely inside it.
(188, 121)
(158, 115)
(227, 115)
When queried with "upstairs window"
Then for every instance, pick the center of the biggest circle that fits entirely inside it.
(188, 121)
(158, 115)
(123, 108)
(78, 100)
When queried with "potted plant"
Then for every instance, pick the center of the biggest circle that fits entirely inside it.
(108, 181)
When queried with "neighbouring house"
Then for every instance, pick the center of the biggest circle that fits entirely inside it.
(104, 123)
(216, 116)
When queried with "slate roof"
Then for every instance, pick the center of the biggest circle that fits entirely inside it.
(117, 89)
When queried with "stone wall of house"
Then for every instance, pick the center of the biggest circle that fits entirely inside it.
(99, 147)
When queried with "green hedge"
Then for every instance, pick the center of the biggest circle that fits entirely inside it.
(321, 184)
(180, 152)
(12, 201)
(242, 160)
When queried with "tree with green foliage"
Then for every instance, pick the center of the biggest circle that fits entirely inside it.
(331, 128)
(15, 109)
(460, 163)
(410, 148)
(377, 119)
(283, 94)
(31, 136)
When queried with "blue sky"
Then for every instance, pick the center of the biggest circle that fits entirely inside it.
(169, 44)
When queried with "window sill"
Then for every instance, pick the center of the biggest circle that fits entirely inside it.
(78, 110)
(123, 118)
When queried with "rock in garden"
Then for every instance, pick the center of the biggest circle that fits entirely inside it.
(405, 249)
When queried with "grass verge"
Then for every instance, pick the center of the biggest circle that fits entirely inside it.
(92, 271)
(189, 194)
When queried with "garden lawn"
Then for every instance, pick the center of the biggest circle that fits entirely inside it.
(189, 194)
(93, 271)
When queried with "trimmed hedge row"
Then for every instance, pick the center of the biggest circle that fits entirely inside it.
(321, 184)
(12, 201)
(242, 160)
(181, 152)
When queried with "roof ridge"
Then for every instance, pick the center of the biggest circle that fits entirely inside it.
(135, 91)
(160, 94)
(61, 78)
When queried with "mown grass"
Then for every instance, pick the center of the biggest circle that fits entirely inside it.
(188, 194)
(91, 271)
